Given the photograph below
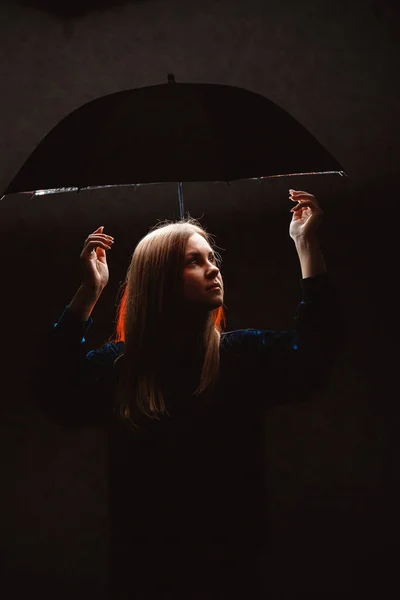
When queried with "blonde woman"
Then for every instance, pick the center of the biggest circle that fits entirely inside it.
(182, 401)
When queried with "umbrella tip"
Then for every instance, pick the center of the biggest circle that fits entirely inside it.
(171, 78)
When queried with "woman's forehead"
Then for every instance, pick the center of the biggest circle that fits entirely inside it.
(196, 243)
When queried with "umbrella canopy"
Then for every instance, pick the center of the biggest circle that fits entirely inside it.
(172, 132)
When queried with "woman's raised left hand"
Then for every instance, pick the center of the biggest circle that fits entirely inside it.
(307, 215)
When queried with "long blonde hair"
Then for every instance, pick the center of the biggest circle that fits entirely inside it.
(148, 314)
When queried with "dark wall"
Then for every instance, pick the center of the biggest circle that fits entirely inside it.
(330, 463)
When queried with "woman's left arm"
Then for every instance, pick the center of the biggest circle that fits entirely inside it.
(310, 256)
(313, 348)
(301, 360)
(290, 366)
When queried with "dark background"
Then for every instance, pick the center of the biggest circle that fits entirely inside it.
(331, 462)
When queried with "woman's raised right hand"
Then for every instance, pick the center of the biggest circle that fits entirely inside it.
(93, 261)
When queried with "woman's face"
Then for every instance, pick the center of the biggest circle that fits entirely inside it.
(200, 273)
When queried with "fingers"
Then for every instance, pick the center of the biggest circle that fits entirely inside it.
(99, 239)
(294, 192)
(100, 236)
(301, 204)
(303, 199)
(96, 240)
(99, 231)
(297, 195)
(94, 244)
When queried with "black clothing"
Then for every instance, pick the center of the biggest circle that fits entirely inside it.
(187, 502)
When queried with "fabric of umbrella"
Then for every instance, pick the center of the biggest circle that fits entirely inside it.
(172, 132)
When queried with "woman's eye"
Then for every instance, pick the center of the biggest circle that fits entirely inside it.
(196, 260)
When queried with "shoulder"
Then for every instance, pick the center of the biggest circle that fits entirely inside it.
(240, 340)
(255, 341)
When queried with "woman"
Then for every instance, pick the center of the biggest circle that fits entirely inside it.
(182, 402)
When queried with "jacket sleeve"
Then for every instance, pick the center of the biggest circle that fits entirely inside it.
(70, 384)
(291, 366)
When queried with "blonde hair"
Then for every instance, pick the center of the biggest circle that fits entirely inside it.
(149, 313)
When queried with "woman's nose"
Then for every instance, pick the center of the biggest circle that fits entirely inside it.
(214, 270)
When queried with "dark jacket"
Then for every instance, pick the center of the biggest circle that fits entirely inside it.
(187, 503)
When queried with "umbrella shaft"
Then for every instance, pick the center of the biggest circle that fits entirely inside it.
(180, 199)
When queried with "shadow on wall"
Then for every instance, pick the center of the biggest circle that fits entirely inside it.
(65, 9)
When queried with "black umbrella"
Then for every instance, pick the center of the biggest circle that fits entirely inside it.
(171, 132)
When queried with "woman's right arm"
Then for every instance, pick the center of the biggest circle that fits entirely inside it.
(68, 386)
(83, 303)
